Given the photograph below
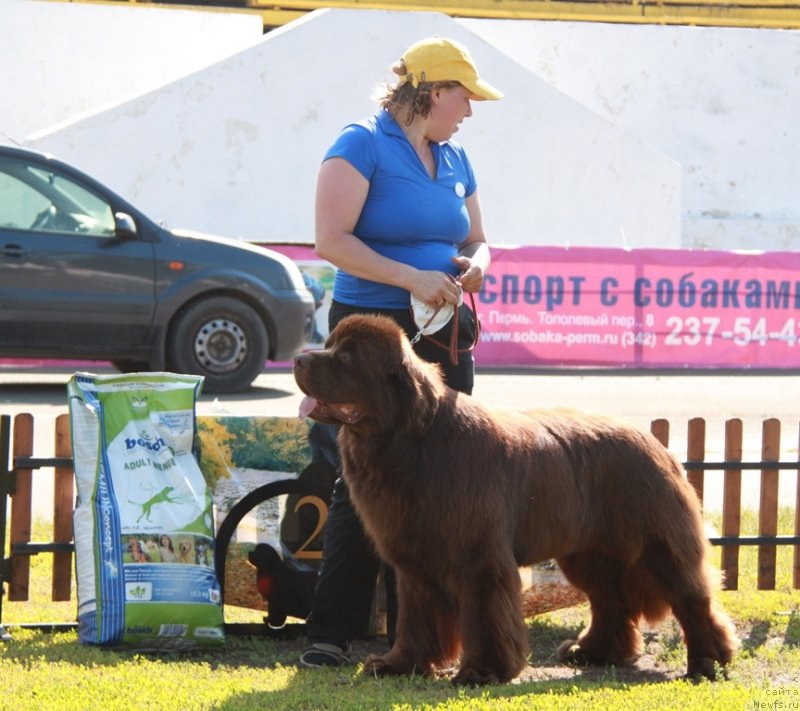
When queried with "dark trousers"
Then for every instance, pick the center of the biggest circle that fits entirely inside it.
(350, 566)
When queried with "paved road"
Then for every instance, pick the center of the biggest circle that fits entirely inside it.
(637, 397)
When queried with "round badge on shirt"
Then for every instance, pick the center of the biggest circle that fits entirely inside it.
(460, 189)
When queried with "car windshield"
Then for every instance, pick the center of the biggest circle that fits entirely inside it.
(36, 198)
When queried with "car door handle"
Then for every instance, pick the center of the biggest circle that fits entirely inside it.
(13, 250)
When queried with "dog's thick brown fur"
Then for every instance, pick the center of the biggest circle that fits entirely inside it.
(457, 496)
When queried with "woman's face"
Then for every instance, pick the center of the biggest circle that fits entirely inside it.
(450, 106)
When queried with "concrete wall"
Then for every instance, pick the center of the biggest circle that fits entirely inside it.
(234, 147)
(601, 126)
(59, 60)
(723, 102)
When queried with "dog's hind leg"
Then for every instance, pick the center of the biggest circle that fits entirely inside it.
(613, 636)
(493, 630)
(689, 591)
(710, 639)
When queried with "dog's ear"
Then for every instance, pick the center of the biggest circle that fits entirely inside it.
(419, 388)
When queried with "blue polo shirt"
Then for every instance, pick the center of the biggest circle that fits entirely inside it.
(407, 216)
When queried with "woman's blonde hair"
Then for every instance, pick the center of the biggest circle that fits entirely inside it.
(416, 100)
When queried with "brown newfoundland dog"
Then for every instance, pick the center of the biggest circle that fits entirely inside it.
(457, 496)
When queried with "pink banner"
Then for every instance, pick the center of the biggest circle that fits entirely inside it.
(641, 308)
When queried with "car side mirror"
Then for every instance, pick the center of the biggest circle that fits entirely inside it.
(124, 225)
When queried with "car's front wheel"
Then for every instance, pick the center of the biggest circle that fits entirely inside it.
(220, 338)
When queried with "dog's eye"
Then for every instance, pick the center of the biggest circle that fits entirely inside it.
(346, 357)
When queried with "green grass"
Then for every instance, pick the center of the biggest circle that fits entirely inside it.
(45, 671)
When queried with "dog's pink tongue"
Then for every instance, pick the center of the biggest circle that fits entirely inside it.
(307, 406)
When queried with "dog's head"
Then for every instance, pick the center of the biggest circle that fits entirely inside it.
(368, 377)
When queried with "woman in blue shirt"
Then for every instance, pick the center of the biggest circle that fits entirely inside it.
(397, 213)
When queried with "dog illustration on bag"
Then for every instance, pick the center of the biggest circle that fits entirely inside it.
(186, 551)
(202, 554)
(162, 497)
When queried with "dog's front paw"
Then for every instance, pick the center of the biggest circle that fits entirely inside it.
(470, 676)
(570, 652)
(706, 668)
(580, 653)
(378, 666)
(395, 664)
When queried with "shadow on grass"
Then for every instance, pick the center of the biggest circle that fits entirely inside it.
(349, 688)
(29, 647)
(758, 636)
(792, 637)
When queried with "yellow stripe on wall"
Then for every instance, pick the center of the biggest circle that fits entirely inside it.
(732, 13)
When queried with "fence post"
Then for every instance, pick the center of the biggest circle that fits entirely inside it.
(660, 430)
(796, 577)
(696, 452)
(768, 504)
(6, 487)
(732, 503)
(63, 502)
(21, 508)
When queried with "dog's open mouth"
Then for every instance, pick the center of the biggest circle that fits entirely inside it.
(332, 413)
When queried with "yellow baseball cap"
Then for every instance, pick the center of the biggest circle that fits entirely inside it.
(440, 59)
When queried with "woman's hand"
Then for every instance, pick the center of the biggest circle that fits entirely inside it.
(470, 274)
(435, 288)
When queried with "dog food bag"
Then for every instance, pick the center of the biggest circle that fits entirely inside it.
(143, 522)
